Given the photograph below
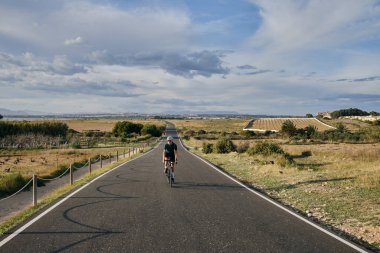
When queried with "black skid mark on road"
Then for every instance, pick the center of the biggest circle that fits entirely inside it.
(99, 232)
(128, 179)
(115, 196)
(67, 247)
(66, 215)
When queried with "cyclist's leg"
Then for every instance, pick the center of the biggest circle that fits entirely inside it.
(166, 165)
(172, 160)
(172, 167)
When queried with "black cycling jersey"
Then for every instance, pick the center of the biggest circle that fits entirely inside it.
(169, 150)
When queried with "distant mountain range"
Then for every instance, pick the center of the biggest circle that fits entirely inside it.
(7, 112)
(200, 113)
(185, 113)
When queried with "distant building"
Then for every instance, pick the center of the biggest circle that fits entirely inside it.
(324, 115)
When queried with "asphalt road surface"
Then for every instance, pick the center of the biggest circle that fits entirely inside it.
(133, 209)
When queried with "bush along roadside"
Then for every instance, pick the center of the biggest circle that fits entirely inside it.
(268, 149)
(260, 150)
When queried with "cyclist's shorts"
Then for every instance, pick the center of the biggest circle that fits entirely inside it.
(170, 158)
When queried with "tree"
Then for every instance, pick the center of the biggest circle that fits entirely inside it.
(153, 130)
(348, 112)
(1, 116)
(288, 128)
(309, 115)
(126, 128)
(310, 130)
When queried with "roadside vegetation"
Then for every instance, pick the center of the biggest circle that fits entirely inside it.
(48, 148)
(331, 176)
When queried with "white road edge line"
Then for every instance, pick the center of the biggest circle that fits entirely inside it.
(18, 231)
(278, 205)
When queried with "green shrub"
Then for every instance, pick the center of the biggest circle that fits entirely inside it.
(310, 131)
(265, 149)
(202, 132)
(247, 134)
(76, 145)
(242, 147)
(207, 148)
(224, 146)
(153, 130)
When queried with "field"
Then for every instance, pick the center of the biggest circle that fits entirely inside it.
(45, 162)
(104, 125)
(274, 124)
(351, 124)
(209, 125)
(337, 184)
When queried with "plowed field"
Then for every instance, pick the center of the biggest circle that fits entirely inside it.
(274, 124)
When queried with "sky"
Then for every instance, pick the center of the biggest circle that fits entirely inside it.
(278, 57)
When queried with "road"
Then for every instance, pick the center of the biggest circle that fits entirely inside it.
(133, 209)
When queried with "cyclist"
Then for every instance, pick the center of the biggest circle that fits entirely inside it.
(170, 153)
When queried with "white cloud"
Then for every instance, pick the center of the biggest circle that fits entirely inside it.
(151, 58)
(62, 65)
(102, 26)
(307, 25)
(77, 41)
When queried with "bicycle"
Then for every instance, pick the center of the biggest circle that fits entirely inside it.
(169, 171)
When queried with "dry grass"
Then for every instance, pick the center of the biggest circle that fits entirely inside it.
(44, 162)
(209, 125)
(337, 183)
(351, 124)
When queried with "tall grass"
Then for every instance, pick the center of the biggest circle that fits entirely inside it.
(11, 183)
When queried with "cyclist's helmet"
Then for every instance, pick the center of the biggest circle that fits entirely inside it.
(170, 138)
